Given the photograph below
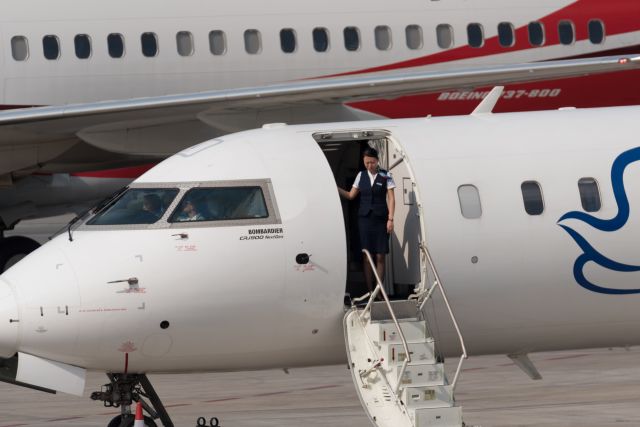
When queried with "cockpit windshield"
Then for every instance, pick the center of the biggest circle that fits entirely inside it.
(221, 204)
(136, 206)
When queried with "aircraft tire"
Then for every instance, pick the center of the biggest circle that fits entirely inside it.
(117, 422)
(13, 249)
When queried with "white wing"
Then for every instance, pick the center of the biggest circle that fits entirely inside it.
(160, 126)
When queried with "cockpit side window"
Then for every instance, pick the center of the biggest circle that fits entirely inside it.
(221, 204)
(136, 206)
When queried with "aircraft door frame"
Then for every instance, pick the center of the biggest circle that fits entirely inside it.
(405, 260)
(404, 263)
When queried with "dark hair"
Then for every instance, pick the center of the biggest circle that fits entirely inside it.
(370, 152)
(153, 200)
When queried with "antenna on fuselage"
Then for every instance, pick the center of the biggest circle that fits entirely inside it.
(489, 101)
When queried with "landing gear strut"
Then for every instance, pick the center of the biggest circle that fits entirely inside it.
(123, 390)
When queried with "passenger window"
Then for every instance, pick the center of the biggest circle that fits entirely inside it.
(414, 36)
(82, 44)
(475, 35)
(217, 42)
(589, 194)
(351, 39)
(565, 32)
(252, 42)
(596, 31)
(288, 40)
(115, 43)
(184, 43)
(19, 48)
(149, 43)
(469, 201)
(51, 47)
(536, 33)
(320, 39)
(383, 37)
(532, 197)
(136, 206)
(444, 34)
(221, 204)
(506, 36)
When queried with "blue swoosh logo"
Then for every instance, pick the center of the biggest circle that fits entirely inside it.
(590, 254)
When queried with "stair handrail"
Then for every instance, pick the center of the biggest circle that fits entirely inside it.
(429, 292)
(380, 289)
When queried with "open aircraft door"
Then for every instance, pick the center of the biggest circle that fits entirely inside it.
(397, 370)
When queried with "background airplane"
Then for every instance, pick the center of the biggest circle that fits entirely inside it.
(532, 238)
(169, 73)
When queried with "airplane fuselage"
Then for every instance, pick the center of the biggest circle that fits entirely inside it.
(77, 53)
(229, 292)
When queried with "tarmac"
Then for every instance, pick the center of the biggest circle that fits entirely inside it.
(580, 388)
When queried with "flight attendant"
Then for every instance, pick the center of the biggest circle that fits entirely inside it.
(375, 215)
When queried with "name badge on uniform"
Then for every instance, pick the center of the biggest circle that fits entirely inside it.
(379, 183)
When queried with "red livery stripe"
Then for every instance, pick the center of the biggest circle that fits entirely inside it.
(614, 13)
(128, 172)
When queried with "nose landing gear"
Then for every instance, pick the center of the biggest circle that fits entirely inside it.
(123, 390)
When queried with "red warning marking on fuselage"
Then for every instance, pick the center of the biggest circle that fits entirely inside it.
(100, 310)
(186, 248)
(132, 291)
(127, 347)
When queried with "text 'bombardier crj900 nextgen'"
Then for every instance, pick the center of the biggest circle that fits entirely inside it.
(514, 233)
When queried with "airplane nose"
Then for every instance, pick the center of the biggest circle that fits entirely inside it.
(8, 321)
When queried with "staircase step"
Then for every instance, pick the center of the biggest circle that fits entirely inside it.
(439, 396)
(376, 355)
(437, 417)
(419, 375)
(421, 354)
(405, 309)
(386, 332)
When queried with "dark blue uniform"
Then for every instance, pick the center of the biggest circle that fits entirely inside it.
(373, 213)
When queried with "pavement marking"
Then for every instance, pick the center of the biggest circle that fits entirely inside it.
(571, 356)
(221, 400)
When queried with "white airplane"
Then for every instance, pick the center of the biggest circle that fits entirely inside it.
(178, 73)
(528, 218)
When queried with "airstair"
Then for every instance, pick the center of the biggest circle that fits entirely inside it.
(396, 367)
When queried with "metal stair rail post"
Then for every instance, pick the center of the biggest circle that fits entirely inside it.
(424, 296)
(380, 289)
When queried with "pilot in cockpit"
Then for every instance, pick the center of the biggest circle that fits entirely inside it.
(190, 212)
(151, 204)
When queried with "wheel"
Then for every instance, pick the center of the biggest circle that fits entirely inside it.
(13, 249)
(128, 422)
